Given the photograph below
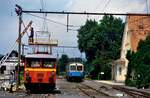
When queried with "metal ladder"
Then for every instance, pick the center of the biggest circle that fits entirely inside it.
(13, 47)
(5, 57)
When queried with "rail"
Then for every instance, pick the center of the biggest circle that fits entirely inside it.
(133, 92)
(90, 88)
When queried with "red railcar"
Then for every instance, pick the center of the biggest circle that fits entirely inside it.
(40, 72)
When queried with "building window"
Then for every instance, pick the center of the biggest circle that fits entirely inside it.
(120, 70)
(141, 25)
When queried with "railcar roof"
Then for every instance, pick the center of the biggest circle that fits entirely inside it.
(40, 56)
(76, 63)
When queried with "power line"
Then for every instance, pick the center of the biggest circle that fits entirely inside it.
(67, 46)
(44, 26)
(147, 6)
(11, 2)
(106, 5)
(73, 29)
(56, 22)
(42, 4)
(73, 26)
(88, 13)
(57, 46)
(98, 5)
(80, 13)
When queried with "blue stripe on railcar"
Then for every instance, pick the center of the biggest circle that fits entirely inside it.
(76, 74)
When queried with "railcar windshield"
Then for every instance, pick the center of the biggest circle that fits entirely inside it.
(79, 68)
(40, 62)
(48, 63)
(72, 68)
(33, 63)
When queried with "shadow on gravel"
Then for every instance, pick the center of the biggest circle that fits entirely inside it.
(45, 92)
(75, 81)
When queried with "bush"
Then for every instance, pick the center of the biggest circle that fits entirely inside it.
(130, 82)
(139, 66)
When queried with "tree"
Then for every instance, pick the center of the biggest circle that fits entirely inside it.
(101, 42)
(85, 39)
(139, 64)
(63, 61)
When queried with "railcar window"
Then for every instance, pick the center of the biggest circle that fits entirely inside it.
(35, 63)
(72, 67)
(48, 64)
(79, 68)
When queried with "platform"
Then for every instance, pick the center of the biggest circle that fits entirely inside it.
(109, 82)
(43, 41)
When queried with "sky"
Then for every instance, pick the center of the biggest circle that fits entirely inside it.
(9, 19)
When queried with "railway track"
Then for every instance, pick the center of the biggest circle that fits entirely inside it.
(91, 92)
(26, 94)
(132, 92)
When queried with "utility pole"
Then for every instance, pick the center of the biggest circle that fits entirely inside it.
(22, 49)
(19, 13)
(67, 22)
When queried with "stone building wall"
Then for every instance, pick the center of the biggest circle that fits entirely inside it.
(136, 28)
(139, 28)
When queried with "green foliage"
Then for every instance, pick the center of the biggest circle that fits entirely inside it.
(21, 75)
(87, 67)
(139, 65)
(63, 61)
(86, 38)
(75, 60)
(101, 42)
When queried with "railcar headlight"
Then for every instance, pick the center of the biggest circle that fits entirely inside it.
(28, 78)
(27, 73)
(53, 73)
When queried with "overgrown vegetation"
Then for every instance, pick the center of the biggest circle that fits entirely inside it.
(139, 65)
(101, 42)
(64, 61)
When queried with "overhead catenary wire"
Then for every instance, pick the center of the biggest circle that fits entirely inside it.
(73, 26)
(97, 6)
(11, 3)
(73, 29)
(61, 46)
(44, 25)
(88, 13)
(147, 7)
(42, 4)
(82, 13)
(105, 6)
(79, 13)
(56, 22)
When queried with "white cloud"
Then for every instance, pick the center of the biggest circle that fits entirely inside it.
(59, 32)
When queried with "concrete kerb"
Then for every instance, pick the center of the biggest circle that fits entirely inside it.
(104, 88)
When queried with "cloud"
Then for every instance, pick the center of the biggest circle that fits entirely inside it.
(130, 6)
(9, 24)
